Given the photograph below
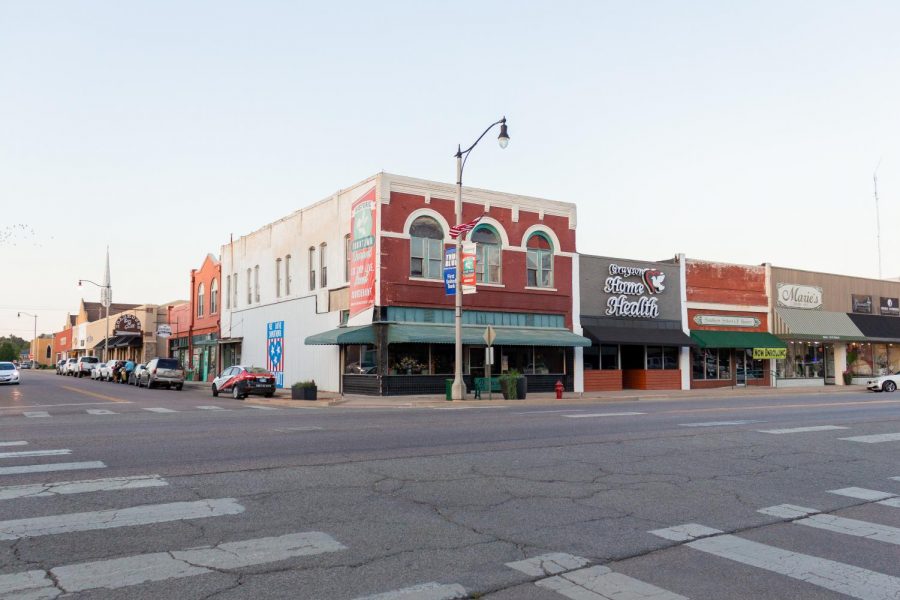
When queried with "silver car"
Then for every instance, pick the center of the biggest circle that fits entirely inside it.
(9, 373)
(162, 371)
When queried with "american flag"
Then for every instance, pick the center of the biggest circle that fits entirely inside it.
(457, 230)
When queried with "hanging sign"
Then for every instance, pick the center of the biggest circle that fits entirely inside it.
(163, 330)
(450, 271)
(362, 253)
(791, 295)
(468, 269)
(275, 351)
(769, 353)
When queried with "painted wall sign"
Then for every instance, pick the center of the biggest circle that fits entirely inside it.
(450, 271)
(862, 304)
(468, 269)
(362, 250)
(890, 307)
(791, 295)
(127, 325)
(726, 321)
(275, 351)
(769, 353)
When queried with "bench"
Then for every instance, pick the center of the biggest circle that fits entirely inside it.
(482, 383)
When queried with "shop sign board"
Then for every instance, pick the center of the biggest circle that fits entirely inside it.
(769, 353)
(634, 291)
(163, 330)
(862, 304)
(362, 253)
(792, 295)
(275, 351)
(468, 269)
(890, 307)
(624, 289)
(127, 325)
(726, 321)
(450, 271)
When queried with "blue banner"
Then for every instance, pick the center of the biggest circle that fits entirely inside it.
(275, 350)
(450, 271)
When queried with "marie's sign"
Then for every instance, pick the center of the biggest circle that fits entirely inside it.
(634, 291)
(791, 295)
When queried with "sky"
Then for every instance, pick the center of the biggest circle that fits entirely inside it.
(741, 132)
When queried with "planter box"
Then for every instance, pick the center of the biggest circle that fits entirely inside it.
(306, 393)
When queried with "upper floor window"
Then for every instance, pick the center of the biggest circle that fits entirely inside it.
(256, 282)
(487, 264)
(287, 275)
(426, 248)
(228, 291)
(235, 290)
(278, 278)
(539, 262)
(249, 287)
(214, 297)
(201, 292)
(323, 264)
(312, 268)
(347, 255)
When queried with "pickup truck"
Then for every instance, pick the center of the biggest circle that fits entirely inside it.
(84, 365)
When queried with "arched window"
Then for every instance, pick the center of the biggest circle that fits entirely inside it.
(278, 278)
(312, 268)
(487, 244)
(426, 248)
(539, 261)
(323, 263)
(228, 291)
(249, 288)
(214, 297)
(235, 290)
(48, 351)
(256, 282)
(201, 292)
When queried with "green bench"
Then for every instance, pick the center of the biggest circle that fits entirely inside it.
(482, 383)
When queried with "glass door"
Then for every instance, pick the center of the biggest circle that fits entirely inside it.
(740, 366)
(829, 364)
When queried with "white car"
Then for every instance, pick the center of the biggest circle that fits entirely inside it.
(69, 369)
(884, 383)
(9, 373)
(106, 370)
(84, 365)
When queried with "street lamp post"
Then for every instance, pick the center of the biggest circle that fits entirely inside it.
(106, 299)
(458, 391)
(34, 353)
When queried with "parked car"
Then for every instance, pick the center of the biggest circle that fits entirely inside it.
(242, 381)
(84, 365)
(135, 376)
(26, 364)
(885, 383)
(162, 371)
(61, 367)
(9, 374)
(70, 366)
(95, 370)
(107, 369)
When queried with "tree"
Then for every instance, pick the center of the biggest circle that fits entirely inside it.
(8, 351)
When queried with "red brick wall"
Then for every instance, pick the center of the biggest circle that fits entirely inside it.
(209, 270)
(62, 342)
(651, 379)
(723, 283)
(398, 290)
(605, 380)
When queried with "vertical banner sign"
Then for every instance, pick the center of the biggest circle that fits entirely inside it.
(362, 253)
(275, 351)
(468, 269)
(450, 271)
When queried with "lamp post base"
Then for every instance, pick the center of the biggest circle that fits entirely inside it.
(458, 390)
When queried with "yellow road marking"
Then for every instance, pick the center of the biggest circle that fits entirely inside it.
(95, 395)
(732, 408)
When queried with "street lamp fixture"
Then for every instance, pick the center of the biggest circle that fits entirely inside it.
(458, 391)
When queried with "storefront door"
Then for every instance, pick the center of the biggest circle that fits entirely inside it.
(740, 367)
(829, 364)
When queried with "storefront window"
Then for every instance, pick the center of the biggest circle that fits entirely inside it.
(711, 363)
(442, 357)
(662, 357)
(864, 360)
(408, 359)
(360, 360)
(547, 360)
(754, 368)
(805, 360)
(609, 356)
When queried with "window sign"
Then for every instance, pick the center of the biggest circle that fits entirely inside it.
(889, 307)
(769, 353)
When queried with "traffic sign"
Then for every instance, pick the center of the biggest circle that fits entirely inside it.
(489, 335)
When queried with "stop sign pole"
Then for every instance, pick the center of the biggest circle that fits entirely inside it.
(489, 336)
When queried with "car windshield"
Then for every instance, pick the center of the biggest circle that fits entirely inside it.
(7, 367)
(167, 363)
(257, 371)
(90, 359)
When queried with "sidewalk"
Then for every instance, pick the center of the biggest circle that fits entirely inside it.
(327, 399)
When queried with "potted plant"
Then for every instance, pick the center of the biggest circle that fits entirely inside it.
(513, 385)
(848, 377)
(304, 390)
(410, 365)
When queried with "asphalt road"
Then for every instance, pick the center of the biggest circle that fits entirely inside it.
(135, 493)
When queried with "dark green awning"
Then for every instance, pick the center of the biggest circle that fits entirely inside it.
(343, 336)
(506, 336)
(736, 339)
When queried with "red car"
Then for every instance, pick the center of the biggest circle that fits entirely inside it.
(242, 381)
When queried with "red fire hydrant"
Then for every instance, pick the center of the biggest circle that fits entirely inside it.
(559, 389)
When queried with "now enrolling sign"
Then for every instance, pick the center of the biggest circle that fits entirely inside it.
(767, 353)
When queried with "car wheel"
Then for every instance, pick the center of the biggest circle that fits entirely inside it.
(889, 386)
(270, 394)
(215, 391)
(236, 393)
(149, 384)
(178, 388)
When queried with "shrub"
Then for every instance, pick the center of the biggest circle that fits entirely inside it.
(311, 383)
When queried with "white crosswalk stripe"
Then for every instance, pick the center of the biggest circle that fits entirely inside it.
(17, 443)
(160, 410)
(100, 411)
(259, 407)
(211, 408)
(601, 583)
(125, 517)
(162, 566)
(594, 415)
(423, 591)
(802, 429)
(862, 493)
(874, 439)
(71, 466)
(548, 564)
(36, 414)
(718, 423)
(78, 487)
(33, 453)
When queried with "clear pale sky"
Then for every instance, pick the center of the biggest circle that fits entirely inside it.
(744, 132)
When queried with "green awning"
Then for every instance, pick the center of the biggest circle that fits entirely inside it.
(343, 336)
(736, 339)
(404, 333)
